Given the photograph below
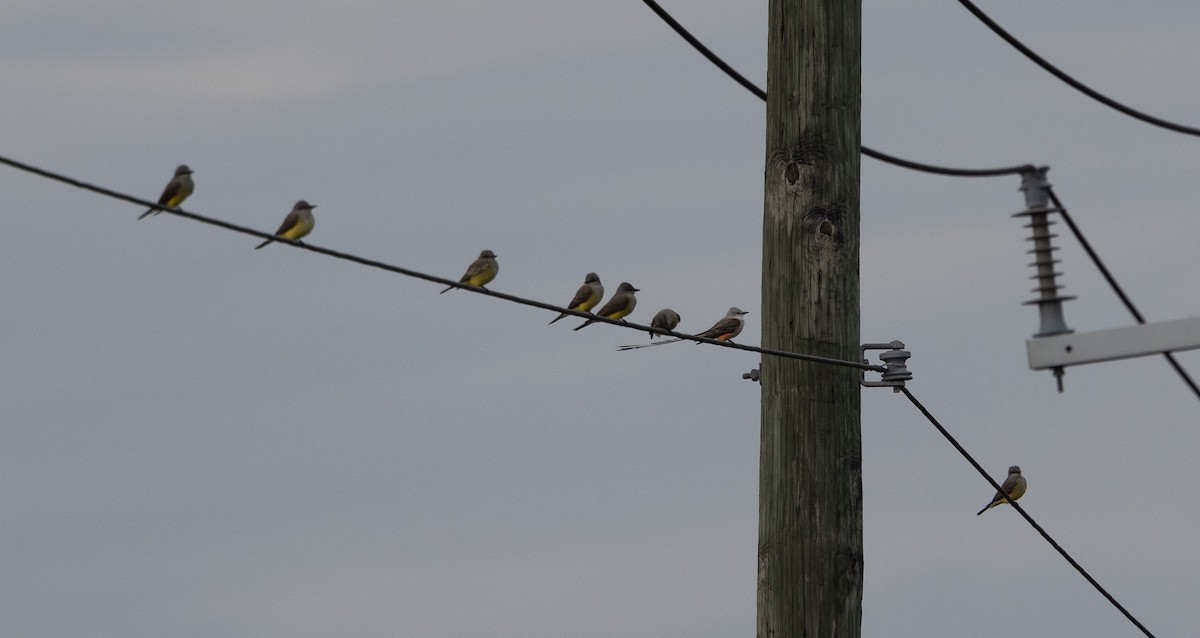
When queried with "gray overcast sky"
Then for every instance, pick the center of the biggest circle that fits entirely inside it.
(200, 439)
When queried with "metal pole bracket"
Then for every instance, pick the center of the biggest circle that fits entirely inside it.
(895, 365)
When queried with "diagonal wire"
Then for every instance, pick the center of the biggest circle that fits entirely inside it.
(420, 275)
(1028, 518)
(1076, 84)
(883, 157)
(1120, 292)
(941, 170)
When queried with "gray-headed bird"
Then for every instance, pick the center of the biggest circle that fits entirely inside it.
(1014, 486)
(727, 328)
(665, 319)
(297, 224)
(480, 272)
(588, 295)
(176, 191)
(618, 307)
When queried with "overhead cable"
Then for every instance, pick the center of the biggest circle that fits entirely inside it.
(420, 275)
(1021, 510)
(1076, 84)
(883, 157)
(1118, 290)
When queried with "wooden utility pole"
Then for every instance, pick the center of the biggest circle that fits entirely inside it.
(810, 561)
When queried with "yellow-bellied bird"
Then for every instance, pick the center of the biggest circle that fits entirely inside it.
(618, 307)
(1014, 486)
(297, 224)
(480, 272)
(176, 191)
(588, 295)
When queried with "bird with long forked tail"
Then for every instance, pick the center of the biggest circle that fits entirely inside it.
(727, 328)
(724, 330)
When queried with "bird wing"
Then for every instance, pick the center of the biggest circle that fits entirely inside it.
(616, 304)
(291, 220)
(170, 191)
(583, 294)
(722, 327)
(1008, 486)
(475, 268)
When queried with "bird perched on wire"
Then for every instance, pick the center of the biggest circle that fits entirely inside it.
(724, 330)
(176, 191)
(665, 319)
(618, 307)
(481, 271)
(727, 328)
(588, 295)
(1013, 486)
(298, 223)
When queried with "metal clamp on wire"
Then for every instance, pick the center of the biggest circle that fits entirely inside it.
(894, 360)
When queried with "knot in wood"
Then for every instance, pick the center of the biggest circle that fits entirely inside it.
(822, 224)
(791, 173)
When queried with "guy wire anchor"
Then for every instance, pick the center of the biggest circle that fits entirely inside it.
(1049, 302)
(894, 360)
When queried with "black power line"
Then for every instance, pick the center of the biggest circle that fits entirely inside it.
(1120, 292)
(883, 157)
(705, 51)
(1020, 509)
(420, 275)
(1076, 84)
(956, 172)
(712, 57)
(943, 170)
